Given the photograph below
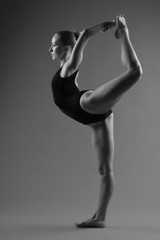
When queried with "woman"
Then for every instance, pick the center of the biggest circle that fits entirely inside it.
(93, 107)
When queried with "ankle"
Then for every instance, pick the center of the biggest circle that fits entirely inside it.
(100, 217)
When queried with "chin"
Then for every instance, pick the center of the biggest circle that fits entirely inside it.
(53, 58)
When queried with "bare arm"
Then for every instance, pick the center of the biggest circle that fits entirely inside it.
(77, 52)
(102, 27)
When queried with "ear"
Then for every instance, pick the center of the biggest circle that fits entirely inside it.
(67, 48)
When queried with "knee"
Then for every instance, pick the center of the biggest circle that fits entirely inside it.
(101, 171)
(107, 173)
(108, 180)
(137, 71)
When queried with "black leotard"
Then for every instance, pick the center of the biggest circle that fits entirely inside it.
(67, 97)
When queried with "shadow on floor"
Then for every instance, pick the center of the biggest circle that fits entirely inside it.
(70, 230)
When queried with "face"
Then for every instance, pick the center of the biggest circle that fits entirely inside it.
(57, 49)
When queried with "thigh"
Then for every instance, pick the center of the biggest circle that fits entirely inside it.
(103, 141)
(107, 95)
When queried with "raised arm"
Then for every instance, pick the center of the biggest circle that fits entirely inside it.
(102, 27)
(77, 52)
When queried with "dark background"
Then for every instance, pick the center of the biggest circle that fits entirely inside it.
(47, 167)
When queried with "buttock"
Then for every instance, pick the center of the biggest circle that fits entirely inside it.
(85, 103)
(73, 109)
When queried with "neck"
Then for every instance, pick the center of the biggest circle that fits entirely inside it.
(63, 62)
(65, 59)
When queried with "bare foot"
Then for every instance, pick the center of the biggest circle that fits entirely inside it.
(91, 223)
(121, 26)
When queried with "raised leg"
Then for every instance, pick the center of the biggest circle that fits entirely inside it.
(103, 98)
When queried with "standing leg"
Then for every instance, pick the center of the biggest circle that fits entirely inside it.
(104, 97)
(103, 143)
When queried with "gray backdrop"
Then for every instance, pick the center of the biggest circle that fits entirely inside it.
(47, 166)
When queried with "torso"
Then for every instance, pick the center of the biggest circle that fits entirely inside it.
(67, 97)
(66, 72)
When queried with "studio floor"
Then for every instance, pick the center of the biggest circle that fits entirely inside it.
(43, 228)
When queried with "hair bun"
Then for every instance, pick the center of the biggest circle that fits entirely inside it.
(76, 33)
